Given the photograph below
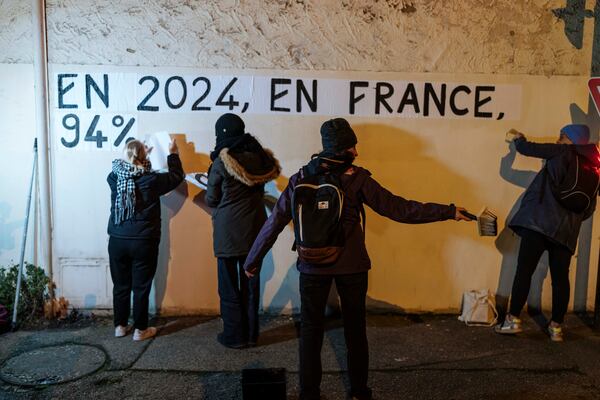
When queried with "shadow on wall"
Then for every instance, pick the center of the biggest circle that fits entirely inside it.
(508, 242)
(186, 242)
(7, 228)
(409, 261)
(287, 297)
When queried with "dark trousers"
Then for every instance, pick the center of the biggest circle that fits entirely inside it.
(239, 300)
(533, 245)
(314, 290)
(132, 267)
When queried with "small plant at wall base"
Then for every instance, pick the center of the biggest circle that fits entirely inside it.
(33, 291)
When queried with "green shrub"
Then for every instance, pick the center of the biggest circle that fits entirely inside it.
(34, 284)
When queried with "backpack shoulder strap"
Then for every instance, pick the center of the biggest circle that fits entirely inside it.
(301, 175)
(356, 184)
(546, 175)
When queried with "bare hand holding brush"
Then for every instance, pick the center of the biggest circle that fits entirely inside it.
(486, 221)
(460, 215)
(513, 134)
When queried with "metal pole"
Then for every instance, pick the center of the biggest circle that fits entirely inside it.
(24, 240)
(40, 64)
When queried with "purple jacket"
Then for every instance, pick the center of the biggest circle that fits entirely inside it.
(359, 188)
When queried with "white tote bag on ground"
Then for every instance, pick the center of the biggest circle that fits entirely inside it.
(478, 308)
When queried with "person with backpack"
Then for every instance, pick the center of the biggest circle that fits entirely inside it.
(235, 189)
(325, 200)
(134, 230)
(560, 197)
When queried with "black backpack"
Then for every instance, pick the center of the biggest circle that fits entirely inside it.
(578, 188)
(317, 204)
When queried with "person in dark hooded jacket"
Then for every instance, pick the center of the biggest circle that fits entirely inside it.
(350, 270)
(235, 190)
(545, 225)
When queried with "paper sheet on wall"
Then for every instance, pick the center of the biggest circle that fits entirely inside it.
(199, 179)
(159, 142)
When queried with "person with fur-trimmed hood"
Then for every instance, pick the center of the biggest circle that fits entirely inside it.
(236, 178)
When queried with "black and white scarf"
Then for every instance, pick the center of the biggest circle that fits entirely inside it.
(125, 201)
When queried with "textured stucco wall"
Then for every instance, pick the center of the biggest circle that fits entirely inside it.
(456, 36)
(15, 32)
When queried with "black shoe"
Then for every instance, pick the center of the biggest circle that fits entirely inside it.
(238, 346)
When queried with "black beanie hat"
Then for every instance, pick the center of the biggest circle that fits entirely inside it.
(337, 135)
(228, 126)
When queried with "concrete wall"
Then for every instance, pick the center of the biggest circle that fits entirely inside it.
(475, 36)
(415, 268)
(15, 36)
(17, 128)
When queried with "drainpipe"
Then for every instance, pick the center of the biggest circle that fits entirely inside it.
(40, 67)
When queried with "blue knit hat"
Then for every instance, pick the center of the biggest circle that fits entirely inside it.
(577, 133)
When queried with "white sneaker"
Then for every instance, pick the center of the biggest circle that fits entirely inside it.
(145, 334)
(121, 330)
(510, 326)
(555, 333)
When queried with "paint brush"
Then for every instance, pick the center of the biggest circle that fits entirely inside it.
(487, 222)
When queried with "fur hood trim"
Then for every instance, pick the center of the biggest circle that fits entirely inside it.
(238, 171)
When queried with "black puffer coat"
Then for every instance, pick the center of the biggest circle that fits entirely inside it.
(145, 224)
(235, 191)
(541, 212)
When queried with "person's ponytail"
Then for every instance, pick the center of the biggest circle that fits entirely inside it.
(135, 152)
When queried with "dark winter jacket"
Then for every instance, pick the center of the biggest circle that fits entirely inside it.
(235, 191)
(359, 188)
(543, 213)
(148, 189)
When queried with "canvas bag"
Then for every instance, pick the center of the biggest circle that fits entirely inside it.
(478, 308)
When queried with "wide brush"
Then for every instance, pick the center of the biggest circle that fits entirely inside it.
(487, 222)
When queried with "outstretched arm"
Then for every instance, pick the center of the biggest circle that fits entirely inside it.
(521, 178)
(538, 150)
(385, 203)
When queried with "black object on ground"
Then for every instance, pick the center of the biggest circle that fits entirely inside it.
(264, 383)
